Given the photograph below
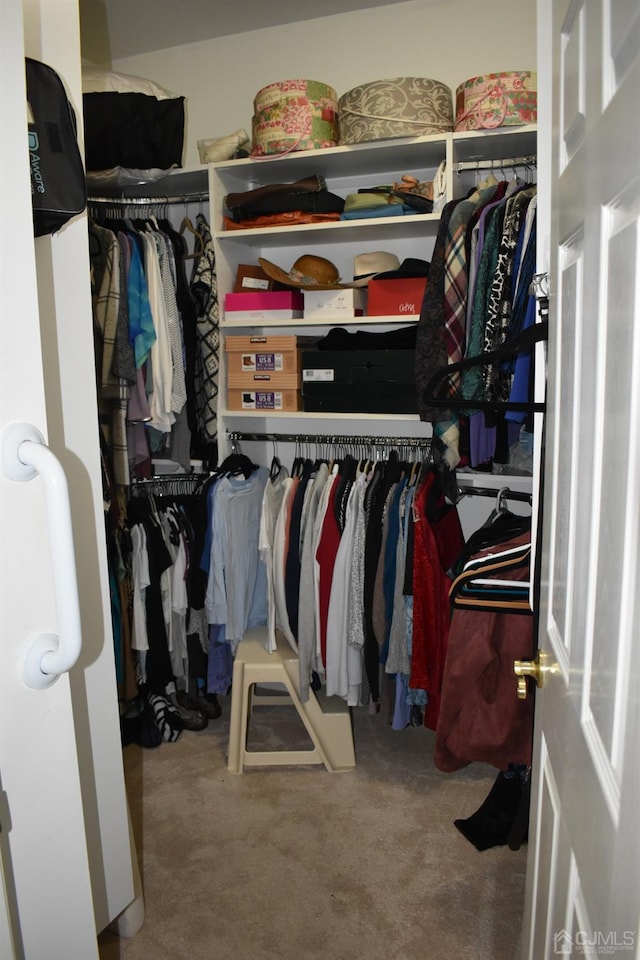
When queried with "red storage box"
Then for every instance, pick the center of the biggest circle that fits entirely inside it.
(401, 297)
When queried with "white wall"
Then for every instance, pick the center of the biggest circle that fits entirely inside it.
(448, 40)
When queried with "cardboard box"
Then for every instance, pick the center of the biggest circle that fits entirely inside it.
(265, 381)
(269, 305)
(288, 401)
(396, 297)
(258, 362)
(251, 278)
(247, 318)
(262, 354)
(359, 381)
(334, 303)
(238, 343)
(264, 300)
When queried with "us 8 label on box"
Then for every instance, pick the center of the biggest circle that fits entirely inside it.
(262, 362)
(318, 376)
(262, 400)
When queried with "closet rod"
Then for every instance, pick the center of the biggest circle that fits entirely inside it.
(495, 492)
(170, 478)
(528, 161)
(152, 201)
(424, 442)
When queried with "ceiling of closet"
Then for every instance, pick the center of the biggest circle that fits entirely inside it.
(112, 29)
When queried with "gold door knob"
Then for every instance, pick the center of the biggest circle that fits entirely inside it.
(536, 668)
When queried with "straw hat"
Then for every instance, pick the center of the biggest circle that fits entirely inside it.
(368, 265)
(311, 272)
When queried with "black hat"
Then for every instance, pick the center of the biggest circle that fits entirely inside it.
(411, 267)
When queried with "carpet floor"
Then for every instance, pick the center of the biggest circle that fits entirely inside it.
(294, 863)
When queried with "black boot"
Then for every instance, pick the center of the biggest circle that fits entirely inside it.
(491, 824)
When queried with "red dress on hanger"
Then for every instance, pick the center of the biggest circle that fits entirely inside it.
(437, 542)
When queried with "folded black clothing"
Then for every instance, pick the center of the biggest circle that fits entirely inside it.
(319, 202)
(310, 184)
(338, 338)
(416, 200)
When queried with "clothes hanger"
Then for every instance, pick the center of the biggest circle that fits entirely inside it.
(474, 589)
(500, 508)
(236, 464)
(187, 227)
(496, 556)
(438, 390)
(276, 467)
(480, 579)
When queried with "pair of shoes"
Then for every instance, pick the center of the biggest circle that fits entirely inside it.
(169, 722)
(417, 715)
(138, 725)
(191, 719)
(211, 705)
(205, 704)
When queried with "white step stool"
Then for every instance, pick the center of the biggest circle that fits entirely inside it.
(329, 728)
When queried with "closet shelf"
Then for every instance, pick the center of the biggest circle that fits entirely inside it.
(346, 161)
(380, 229)
(494, 144)
(182, 181)
(329, 321)
(306, 415)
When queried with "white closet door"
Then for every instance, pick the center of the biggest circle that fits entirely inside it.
(584, 848)
(64, 840)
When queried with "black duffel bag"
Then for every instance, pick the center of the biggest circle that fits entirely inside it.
(58, 186)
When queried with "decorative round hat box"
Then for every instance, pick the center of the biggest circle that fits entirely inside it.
(294, 115)
(401, 107)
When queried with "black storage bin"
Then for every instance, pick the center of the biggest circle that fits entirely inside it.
(359, 381)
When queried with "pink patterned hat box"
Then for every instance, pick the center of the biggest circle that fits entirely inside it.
(497, 100)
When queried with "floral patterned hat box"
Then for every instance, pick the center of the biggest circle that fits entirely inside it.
(294, 115)
(401, 107)
(493, 100)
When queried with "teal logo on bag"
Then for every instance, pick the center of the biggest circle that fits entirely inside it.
(37, 183)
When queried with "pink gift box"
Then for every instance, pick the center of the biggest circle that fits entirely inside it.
(264, 300)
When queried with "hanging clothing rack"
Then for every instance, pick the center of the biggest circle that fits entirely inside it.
(326, 438)
(200, 197)
(170, 483)
(528, 161)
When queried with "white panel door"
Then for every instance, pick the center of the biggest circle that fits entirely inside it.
(583, 892)
(65, 858)
(52, 34)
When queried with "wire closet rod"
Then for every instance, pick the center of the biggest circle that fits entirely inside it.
(152, 201)
(528, 161)
(424, 442)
